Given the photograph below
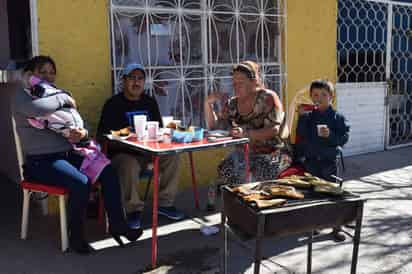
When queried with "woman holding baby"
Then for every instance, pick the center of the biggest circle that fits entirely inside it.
(50, 158)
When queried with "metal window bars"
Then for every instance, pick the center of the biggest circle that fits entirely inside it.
(375, 45)
(189, 46)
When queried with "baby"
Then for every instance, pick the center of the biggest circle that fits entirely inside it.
(62, 121)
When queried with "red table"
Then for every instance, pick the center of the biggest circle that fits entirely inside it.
(157, 149)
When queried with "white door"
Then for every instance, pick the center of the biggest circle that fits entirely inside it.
(363, 105)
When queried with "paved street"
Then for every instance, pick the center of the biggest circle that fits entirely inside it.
(384, 178)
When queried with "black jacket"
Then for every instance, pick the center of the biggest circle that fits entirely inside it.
(313, 146)
(113, 116)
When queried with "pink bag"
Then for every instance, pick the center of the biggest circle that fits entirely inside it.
(94, 161)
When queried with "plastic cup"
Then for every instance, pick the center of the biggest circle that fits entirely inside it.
(167, 139)
(166, 120)
(320, 126)
(140, 126)
(152, 129)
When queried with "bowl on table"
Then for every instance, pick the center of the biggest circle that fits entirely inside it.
(192, 134)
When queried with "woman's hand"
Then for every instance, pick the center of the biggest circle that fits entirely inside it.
(216, 97)
(77, 134)
(238, 132)
(72, 102)
(212, 116)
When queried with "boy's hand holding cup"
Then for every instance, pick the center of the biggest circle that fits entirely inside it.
(323, 130)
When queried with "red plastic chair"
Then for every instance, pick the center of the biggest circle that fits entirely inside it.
(293, 170)
(296, 169)
(30, 187)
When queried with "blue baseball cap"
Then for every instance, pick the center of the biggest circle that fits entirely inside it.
(131, 67)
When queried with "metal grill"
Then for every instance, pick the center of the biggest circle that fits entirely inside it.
(375, 45)
(190, 46)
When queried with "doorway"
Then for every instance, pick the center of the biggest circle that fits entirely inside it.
(15, 50)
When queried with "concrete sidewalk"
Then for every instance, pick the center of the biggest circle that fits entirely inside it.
(384, 178)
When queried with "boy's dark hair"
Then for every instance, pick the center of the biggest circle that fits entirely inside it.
(38, 62)
(322, 84)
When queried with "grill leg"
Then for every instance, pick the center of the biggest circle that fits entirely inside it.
(356, 239)
(258, 246)
(309, 259)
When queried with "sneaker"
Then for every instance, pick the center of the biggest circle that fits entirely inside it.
(338, 235)
(133, 220)
(171, 212)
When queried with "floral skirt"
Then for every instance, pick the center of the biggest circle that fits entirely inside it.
(262, 166)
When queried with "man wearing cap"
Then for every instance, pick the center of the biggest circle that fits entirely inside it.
(129, 165)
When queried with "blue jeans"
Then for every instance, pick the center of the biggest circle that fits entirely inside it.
(63, 170)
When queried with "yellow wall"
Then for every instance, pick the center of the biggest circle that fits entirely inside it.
(311, 42)
(75, 33)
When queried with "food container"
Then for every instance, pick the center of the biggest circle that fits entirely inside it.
(193, 135)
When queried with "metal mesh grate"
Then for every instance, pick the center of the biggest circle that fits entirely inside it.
(400, 107)
(375, 45)
(189, 46)
(362, 30)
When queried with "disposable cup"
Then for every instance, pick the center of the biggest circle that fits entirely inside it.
(152, 129)
(320, 126)
(166, 120)
(140, 126)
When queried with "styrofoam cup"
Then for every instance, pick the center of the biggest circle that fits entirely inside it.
(140, 125)
(320, 126)
(166, 120)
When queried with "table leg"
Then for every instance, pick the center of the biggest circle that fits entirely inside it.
(309, 259)
(258, 245)
(356, 239)
(155, 207)
(195, 193)
(247, 167)
(223, 227)
(104, 146)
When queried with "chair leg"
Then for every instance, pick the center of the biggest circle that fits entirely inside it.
(63, 223)
(149, 181)
(102, 216)
(101, 209)
(106, 224)
(25, 214)
(45, 206)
